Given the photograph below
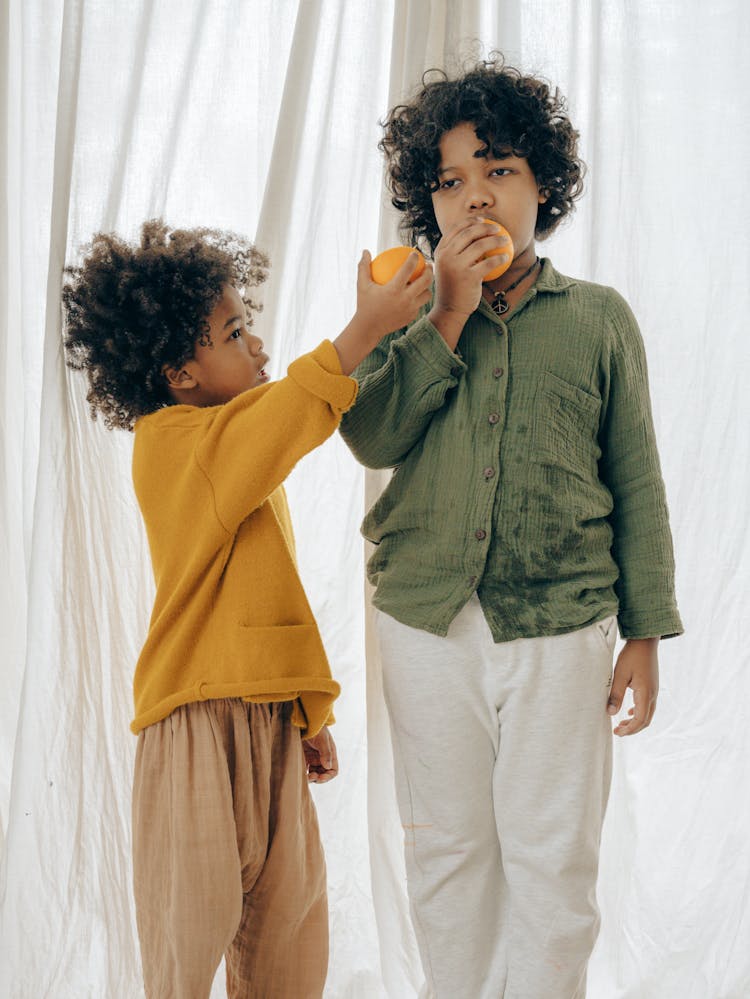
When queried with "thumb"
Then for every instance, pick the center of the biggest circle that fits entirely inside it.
(616, 694)
(364, 273)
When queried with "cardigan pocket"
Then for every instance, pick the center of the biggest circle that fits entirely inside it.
(566, 425)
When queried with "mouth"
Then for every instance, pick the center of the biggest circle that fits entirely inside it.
(263, 375)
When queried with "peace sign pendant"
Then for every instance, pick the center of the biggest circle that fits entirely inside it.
(499, 305)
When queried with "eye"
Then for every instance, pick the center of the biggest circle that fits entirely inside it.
(446, 185)
(500, 171)
(236, 334)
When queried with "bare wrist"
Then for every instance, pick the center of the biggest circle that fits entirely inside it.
(355, 342)
(449, 323)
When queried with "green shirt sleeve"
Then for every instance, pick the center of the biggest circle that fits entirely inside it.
(402, 384)
(642, 545)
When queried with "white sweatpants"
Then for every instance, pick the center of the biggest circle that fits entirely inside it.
(503, 758)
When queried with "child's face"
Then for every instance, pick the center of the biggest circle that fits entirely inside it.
(228, 360)
(473, 183)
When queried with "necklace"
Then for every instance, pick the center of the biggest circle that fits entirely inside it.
(499, 304)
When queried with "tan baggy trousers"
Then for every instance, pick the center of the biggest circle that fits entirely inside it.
(227, 856)
(503, 757)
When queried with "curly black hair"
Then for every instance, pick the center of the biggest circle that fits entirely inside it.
(510, 112)
(131, 309)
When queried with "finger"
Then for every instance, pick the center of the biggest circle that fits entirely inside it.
(470, 241)
(488, 264)
(320, 749)
(364, 275)
(629, 727)
(650, 709)
(332, 754)
(422, 292)
(405, 271)
(640, 715)
(329, 774)
(453, 240)
(421, 289)
(641, 708)
(424, 280)
(480, 238)
(489, 230)
(320, 775)
(617, 692)
(474, 225)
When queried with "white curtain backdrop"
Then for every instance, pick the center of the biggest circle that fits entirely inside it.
(262, 116)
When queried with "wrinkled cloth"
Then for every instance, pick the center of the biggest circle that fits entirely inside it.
(503, 760)
(226, 855)
(525, 468)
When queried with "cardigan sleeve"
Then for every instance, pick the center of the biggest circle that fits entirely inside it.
(253, 442)
(642, 543)
(402, 384)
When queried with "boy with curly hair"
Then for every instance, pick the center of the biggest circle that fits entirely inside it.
(226, 850)
(525, 518)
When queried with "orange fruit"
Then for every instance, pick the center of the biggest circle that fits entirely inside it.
(508, 248)
(385, 265)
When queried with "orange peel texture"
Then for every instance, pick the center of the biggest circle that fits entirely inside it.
(508, 248)
(385, 265)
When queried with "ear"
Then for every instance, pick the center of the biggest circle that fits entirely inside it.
(179, 378)
(543, 196)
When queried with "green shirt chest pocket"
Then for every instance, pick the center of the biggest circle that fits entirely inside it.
(566, 426)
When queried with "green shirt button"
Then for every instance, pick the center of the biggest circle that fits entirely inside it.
(479, 534)
(497, 372)
(489, 473)
(494, 418)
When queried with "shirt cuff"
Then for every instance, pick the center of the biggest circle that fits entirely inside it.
(667, 625)
(319, 372)
(424, 339)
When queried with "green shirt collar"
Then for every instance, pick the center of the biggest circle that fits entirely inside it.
(549, 280)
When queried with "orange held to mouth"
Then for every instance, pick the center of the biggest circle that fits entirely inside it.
(385, 265)
(508, 248)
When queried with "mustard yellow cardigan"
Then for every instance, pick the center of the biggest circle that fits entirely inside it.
(230, 617)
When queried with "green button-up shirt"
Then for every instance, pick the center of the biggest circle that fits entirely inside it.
(525, 467)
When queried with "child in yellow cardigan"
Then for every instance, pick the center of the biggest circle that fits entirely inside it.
(233, 691)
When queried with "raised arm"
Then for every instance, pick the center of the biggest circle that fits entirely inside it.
(254, 441)
(406, 380)
(402, 384)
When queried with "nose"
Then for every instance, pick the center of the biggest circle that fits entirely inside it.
(256, 344)
(478, 196)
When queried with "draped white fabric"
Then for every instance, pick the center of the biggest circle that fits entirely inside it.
(262, 116)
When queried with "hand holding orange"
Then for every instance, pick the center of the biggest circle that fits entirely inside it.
(508, 248)
(385, 265)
